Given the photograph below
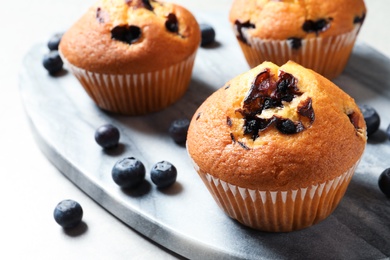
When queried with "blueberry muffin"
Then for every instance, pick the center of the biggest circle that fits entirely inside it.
(277, 146)
(319, 35)
(132, 57)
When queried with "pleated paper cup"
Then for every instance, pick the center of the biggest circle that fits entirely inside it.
(138, 93)
(327, 56)
(278, 210)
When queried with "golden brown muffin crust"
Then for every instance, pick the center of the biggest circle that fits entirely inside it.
(284, 19)
(328, 146)
(88, 44)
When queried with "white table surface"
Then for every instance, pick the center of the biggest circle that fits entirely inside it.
(31, 186)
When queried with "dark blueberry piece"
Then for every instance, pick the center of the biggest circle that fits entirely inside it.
(282, 85)
(171, 23)
(372, 119)
(68, 213)
(287, 126)
(268, 103)
(239, 25)
(178, 130)
(359, 19)
(147, 5)
(163, 174)
(295, 43)
(208, 34)
(258, 91)
(287, 83)
(286, 88)
(384, 182)
(254, 125)
(107, 136)
(128, 172)
(251, 127)
(317, 26)
(305, 109)
(287, 97)
(52, 62)
(124, 33)
(54, 41)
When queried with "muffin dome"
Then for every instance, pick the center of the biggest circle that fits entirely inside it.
(295, 19)
(277, 128)
(131, 36)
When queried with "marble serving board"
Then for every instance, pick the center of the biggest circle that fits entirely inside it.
(185, 218)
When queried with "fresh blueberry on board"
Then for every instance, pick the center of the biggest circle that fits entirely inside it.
(178, 130)
(163, 174)
(107, 136)
(68, 213)
(128, 172)
(52, 62)
(54, 41)
(384, 182)
(207, 34)
(371, 117)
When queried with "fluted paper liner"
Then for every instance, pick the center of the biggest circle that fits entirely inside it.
(327, 56)
(136, 94)
(280, 210)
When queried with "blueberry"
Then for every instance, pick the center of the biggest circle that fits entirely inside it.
(208, 34)
(317, 26)
(372, 119)
(68, 213)
(239, 26)
(128, 172)
(52, 62)
(124, 33)
(384, 182)
(107, 136)
(54, 41)
(171, 23)
(295, 43)
(359, 19)
(178, 130)
(163, 174)
(286, 126)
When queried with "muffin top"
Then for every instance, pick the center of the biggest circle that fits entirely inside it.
(295, 19)
(277, 128)
(131, 36)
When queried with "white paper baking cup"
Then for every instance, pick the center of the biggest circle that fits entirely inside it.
(136, 94)
(327, 56)
(278, 210)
